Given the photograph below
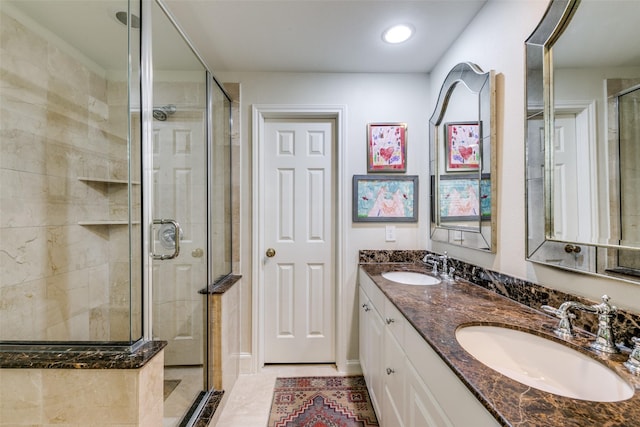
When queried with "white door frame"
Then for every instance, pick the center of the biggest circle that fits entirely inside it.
(260, 113)
(586, 139)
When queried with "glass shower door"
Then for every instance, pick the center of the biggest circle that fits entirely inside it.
(179, 271)
(179, 210)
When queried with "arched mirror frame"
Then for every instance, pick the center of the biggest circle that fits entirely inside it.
(480, 234)
(540, 246)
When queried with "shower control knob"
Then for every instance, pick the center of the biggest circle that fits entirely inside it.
(271, 252)
(197, 253)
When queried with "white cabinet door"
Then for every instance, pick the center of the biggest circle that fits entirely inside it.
(422, 408)
(393, 400)
(376, 330)
(371, 348)
(364, 340)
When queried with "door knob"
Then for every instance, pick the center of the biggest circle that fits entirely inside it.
(197, 253)
(271, 252)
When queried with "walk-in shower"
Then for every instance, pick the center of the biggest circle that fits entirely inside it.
(85, 172)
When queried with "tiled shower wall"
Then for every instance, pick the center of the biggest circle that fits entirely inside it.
(60, 121)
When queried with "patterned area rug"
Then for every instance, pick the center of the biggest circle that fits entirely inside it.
(321, 402)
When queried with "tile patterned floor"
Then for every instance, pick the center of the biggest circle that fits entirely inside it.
(250, 400)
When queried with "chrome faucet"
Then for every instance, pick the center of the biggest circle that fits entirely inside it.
(605, 340)
(433, 260)
(445, 270)
(447, 273)
(633, 363)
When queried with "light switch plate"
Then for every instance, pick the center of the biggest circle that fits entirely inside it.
(390, 233)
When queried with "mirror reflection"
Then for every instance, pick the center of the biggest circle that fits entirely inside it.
(583, 142)
(461, 133)
(583, 63)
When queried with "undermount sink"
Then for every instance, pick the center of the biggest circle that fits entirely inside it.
(543, 364)
(410, 278)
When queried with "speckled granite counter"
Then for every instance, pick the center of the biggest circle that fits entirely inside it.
(78, 357)
(221, 286)
(437, 311)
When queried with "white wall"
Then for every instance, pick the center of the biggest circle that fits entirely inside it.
(495, 40)
(368, 98)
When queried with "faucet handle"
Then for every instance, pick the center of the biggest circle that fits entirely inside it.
(434, 265)
(633, 363)
(560, 314)
(604, 307)
(565, 328)
(605, 337)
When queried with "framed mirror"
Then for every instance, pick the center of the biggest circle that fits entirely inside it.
(463, 160)
(583, 138)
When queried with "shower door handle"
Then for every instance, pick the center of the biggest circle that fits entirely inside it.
(177, 233)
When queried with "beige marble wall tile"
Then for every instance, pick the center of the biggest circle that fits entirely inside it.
(23, 308)
(110, 394)
(21, 149)
(151, 393)
(83, 397)
(59, 121)
(23, 255)
(20, 397)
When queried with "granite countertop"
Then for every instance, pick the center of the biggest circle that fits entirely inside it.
(437, 311)
(79, 356)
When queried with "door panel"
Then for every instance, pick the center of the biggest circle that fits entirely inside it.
(180, 194)
(299, 279)
(565, 179)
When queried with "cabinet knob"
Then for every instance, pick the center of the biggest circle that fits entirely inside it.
(366, 307)
(390, 320)
(390, 371)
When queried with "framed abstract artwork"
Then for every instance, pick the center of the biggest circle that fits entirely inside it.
(386, 147)
(464, 197)
(462, 146)
(385, 198)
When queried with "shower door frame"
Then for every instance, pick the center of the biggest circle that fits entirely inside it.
(146, 75)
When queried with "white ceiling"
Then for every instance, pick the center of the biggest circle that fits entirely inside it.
(321, 35)
(313, 35)
(267, 35)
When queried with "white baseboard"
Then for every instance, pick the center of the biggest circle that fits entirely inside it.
(246, 363)
(352, 367)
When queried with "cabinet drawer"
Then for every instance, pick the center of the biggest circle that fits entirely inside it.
(394, 321)
(373, 292)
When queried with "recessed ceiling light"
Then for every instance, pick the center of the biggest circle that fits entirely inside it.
(398, 33)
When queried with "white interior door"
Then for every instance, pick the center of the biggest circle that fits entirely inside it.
(179, 163)
(299, 278)
(565, 180)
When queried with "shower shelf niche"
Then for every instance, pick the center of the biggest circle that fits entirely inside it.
(107, 181)
(107, 222)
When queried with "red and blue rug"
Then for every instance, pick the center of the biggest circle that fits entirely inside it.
(321, 402)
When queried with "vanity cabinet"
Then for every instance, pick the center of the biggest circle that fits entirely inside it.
(409, 384)
(371, 340)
